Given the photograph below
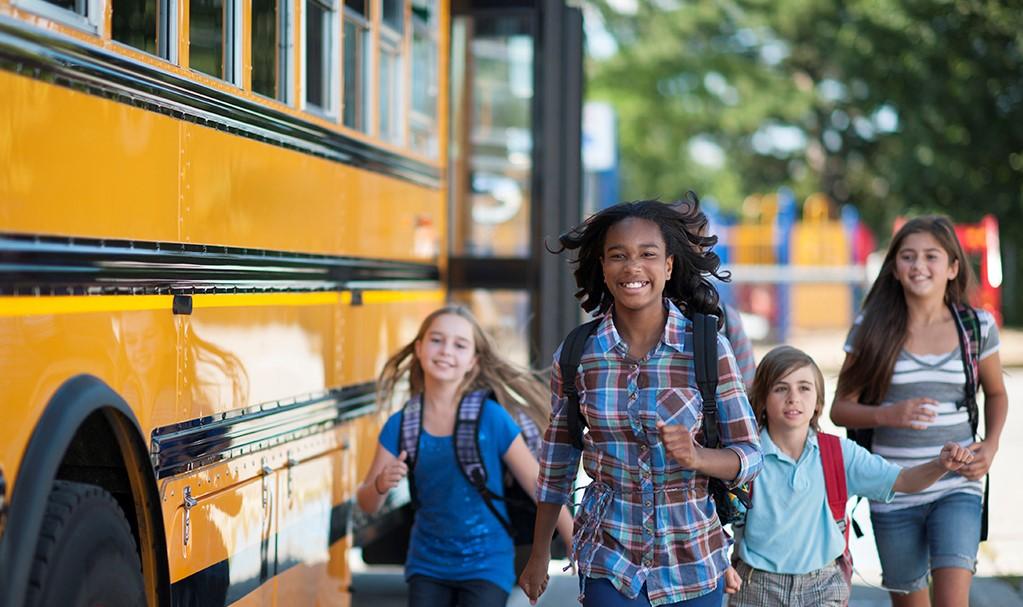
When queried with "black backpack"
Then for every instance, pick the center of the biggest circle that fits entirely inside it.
(705, 361)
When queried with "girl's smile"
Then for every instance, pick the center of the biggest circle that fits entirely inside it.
(447, 351)
(635, 263)
(922, 266)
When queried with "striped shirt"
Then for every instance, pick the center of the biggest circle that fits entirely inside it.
(644, 519)
(741, 345)
(943, 378)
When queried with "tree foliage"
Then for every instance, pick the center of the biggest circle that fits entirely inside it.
(895, 106)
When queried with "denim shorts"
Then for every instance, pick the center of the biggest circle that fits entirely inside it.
(912, 542)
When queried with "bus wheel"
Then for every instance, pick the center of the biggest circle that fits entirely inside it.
(86, 553)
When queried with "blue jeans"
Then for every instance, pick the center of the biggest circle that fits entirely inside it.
(430, 592)
(600, 592)
(913, 541)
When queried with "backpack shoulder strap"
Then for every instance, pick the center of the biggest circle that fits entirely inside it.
(833, 463)
(409, 428)
(468, 454)
(571, 354)
(530, 431)
(968, 330)
(705, 362)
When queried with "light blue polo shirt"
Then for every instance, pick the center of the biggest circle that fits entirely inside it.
(790, 529)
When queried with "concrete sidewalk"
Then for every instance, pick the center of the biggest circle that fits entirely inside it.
(386, 588)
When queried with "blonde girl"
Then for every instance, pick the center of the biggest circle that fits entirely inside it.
(459, 552)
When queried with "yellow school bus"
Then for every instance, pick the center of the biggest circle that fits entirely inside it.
(217, 219)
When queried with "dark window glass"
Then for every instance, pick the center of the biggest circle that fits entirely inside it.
(265, 48)
(394, 15)
(206, 37)
(356, 40)
(134, 22)
(317, 45)
(358, 6)
(71, 5)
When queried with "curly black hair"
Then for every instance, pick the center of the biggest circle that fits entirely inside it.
(682, 224)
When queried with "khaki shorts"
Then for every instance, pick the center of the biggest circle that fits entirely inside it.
(824, 587)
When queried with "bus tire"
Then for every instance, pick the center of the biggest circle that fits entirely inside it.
(86, 552)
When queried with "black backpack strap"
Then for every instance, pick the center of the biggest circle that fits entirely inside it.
(968, 329)
(409, 429)
(705, 361)
(467, 451)
(571, 353)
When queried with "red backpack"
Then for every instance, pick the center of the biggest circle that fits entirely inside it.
(838, 494)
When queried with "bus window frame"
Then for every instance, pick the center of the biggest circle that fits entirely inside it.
(418, 122)
(393, 43)
(363, 97)
(167, 37)
(285, 53)
(233, 39)
(332, 54)
(90, 22)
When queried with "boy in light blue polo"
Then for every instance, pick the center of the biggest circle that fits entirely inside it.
(786, 552)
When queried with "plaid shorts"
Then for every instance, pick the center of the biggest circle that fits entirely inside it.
(823, 587)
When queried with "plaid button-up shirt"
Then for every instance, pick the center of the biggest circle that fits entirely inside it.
(645, 519)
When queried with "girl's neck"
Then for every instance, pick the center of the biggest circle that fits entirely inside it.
(641, 329)
(790, 441)
(926, 311)
(440, 395)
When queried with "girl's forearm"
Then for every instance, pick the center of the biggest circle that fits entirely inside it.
(368, 497)
(849, 413)
(719, 463)
(543, 531)
(918, 478)
(995, 410)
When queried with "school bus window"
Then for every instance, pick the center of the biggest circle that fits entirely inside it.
(135, 23)
(356, 58)
(394, 15)
(269, 36)
(390, 72)
(319, 62)
(211, 40)
(84, 14)
(422, 121)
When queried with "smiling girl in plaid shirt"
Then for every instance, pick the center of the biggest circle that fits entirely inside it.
(646, 532)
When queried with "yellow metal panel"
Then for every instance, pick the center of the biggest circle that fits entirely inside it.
(56, 175)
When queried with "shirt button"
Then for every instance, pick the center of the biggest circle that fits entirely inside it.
(647, 562)
(647, 503)
(646, 475)
(632, 396)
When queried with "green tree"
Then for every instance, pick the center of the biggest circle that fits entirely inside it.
(895, 106)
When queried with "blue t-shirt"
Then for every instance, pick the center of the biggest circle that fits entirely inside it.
(455, 536)
(790, 501)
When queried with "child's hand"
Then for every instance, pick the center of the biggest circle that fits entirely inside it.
(915, 413)
(391, 475)
(534, 578)
(983, 454)
(953, 457)
(733, 583)
(679, 444)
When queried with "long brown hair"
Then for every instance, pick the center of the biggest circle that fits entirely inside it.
(882, 332)
(517, 389)
(778, 363)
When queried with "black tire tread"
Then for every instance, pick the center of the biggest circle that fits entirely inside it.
(65, 498)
